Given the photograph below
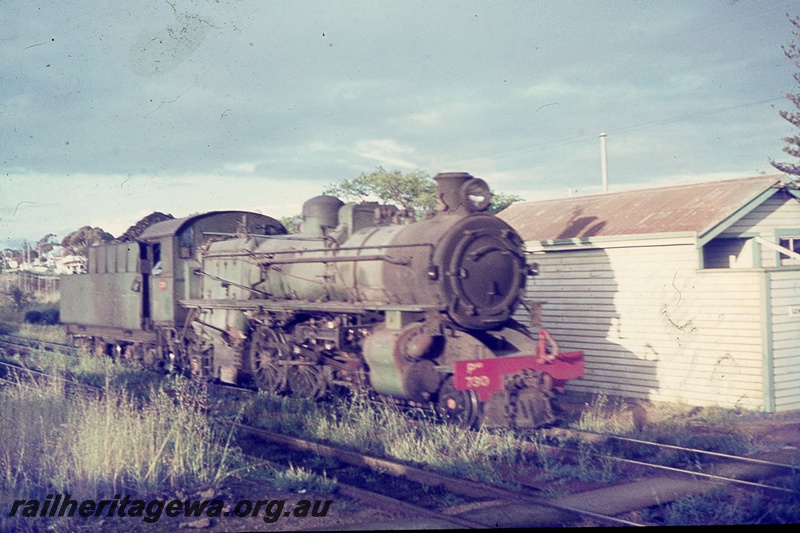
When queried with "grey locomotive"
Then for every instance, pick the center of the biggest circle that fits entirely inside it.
(420, 312)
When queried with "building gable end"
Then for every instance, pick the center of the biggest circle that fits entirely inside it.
(743, 211)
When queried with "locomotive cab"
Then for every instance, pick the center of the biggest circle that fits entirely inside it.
(175, 246)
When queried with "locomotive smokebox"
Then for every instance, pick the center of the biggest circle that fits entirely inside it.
(462, 193)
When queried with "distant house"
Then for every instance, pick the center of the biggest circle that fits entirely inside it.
(686, 293)
(70, 264)
(59, 261)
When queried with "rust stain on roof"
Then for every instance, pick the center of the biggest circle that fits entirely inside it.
(696, 207)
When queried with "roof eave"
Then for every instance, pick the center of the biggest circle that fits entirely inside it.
(614, 241)
(704, 237)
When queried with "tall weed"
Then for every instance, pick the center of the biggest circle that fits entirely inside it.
(384, 430)
(79, 444)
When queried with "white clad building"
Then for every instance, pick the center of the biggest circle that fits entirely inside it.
(686, 293)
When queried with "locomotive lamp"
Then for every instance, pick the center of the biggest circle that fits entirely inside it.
(458, 189)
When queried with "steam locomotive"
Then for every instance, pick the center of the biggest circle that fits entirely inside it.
(420, 312)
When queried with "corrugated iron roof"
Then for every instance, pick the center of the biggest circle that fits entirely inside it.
(696, 207)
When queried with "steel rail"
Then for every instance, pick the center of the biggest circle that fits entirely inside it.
(17, 384)
(698, 474)
(364, 494)
(683, 471)
(601, 437)
(705, 452)
(356, 492)
(28, 343)
(30, 370)
(461, 486)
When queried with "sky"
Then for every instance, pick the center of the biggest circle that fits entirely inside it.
(112, 110)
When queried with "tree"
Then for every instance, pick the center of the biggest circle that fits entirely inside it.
(502, 200)
(79, 240)
(29, 252)
(291, 223)
(792, 52)
(46, 244)
(9, 255)
(414, 191)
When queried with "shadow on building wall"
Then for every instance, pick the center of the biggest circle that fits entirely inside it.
(580, 289)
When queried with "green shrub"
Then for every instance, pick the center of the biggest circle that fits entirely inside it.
(33, 317)
(48, 316)
(51, 316)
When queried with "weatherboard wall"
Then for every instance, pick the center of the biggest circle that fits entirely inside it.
(776, 218)
(784, 303)
(652, 325)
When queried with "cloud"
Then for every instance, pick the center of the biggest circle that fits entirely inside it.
(237, 168)
(184, 106)
(386, 152)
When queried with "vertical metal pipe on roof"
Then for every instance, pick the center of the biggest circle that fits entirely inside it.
(604, 161)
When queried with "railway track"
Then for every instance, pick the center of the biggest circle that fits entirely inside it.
(601, 507)
(727, 468)
(718, 467)
(386, 503)
(485, 502)
(23, 376)
(16, 345)
(721, 462)
(643, 484)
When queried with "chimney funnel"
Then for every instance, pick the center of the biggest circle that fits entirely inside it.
(461, 193)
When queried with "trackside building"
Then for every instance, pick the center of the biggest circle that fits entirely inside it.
(687, 293)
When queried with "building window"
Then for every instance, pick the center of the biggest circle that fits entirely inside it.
(158, 268)
(791, 243)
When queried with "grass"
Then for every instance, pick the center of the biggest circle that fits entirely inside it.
(91, 370)
(419, 439)
(587, 468)
(709, 428)
(385, 431)
(119, 444)
(601, 415)
(302, 480)
(723, 507)
(82, 445)
(41, 332)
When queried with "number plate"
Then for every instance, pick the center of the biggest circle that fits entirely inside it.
(485, 376)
